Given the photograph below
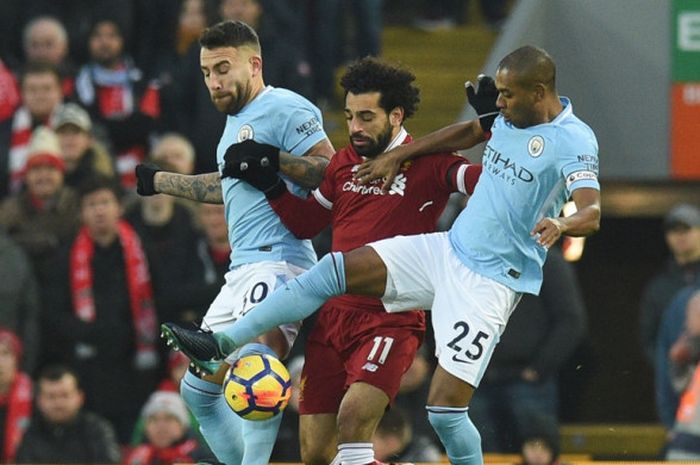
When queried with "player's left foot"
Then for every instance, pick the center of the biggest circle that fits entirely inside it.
(199, 345)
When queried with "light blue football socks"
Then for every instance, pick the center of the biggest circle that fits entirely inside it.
(294, 301)
(458, 434)
(259, 436)
(220, 426)
(232, 439)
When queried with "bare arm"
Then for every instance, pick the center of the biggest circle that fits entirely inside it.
(457, 136)
(307, 171)
(204, 188)
(584, 222)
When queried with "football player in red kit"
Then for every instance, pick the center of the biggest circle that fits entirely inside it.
(357, 352)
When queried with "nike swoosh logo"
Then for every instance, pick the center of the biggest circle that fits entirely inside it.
(426, 204)
(457, 359)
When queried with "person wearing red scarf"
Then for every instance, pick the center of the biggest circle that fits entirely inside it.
(103, 319)
(15, 395)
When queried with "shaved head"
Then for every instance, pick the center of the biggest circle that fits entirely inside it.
(531, 65)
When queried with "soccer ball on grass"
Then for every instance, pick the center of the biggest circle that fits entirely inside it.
(257, 387)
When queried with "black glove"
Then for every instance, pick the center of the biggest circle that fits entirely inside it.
(145, 174)
(257, 164)
(483, 100)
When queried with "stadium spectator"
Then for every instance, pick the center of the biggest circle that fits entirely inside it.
(78, 17)
(41, 94)
(265, 254)
(9, 93)
(46, 39)
(213, 249)
(671, 329)
(540, 445)
(119, 97)
(167, 232)
(101, 315)
(176, 368)
(83, 155)
(395, 442)
(20, 308)
(446, 14)
(682, 234)
(15, 396)
(327, 23)
(175, 151)
(44, 216)
(521, 382)
(684, 360)
(169, 439)
(60, 430)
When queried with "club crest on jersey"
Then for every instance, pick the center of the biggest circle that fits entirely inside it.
(535, 146)
(245, 132)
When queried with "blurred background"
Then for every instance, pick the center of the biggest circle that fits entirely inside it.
(119, 81)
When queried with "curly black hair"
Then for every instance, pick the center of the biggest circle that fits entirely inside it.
(393, 83)
(229, 34)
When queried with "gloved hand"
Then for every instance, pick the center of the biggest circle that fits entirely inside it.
(483, 100)
(257, 164)
(145, 174)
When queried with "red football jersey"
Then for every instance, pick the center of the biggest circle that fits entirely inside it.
(363, 214)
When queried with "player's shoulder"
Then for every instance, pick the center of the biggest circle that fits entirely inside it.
(345, 158)
(429, 161)
(572, 130)
(279, 95)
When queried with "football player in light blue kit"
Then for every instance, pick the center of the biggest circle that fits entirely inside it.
(264, 253)
(538, 155)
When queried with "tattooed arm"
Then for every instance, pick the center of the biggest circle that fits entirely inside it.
(307, 171)
(204, 188)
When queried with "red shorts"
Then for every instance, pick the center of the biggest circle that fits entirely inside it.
(347, 346)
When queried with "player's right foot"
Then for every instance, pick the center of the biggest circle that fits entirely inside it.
(199, 345)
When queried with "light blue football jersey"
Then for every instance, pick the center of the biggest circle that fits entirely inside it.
(528, 174)
(286, 120)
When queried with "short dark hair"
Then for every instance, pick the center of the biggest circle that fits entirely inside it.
(532, 65)
(97, 22)
(56, 372)
(229, 34)
(393, 83)
(99, 182)
(40, 67)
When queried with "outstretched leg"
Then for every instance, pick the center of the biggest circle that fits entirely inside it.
(360, 271)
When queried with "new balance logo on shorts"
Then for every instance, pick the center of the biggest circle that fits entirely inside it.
(371, 367)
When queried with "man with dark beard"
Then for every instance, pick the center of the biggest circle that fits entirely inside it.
(119, 97)
(264, 253)
(357, 352)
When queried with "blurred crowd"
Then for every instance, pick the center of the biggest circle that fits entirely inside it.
(89, 89)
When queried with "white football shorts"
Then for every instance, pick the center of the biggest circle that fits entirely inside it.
(245, 287)
(469, 311)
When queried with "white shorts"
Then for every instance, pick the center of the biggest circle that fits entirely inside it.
(469, 311)
(245, 287)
